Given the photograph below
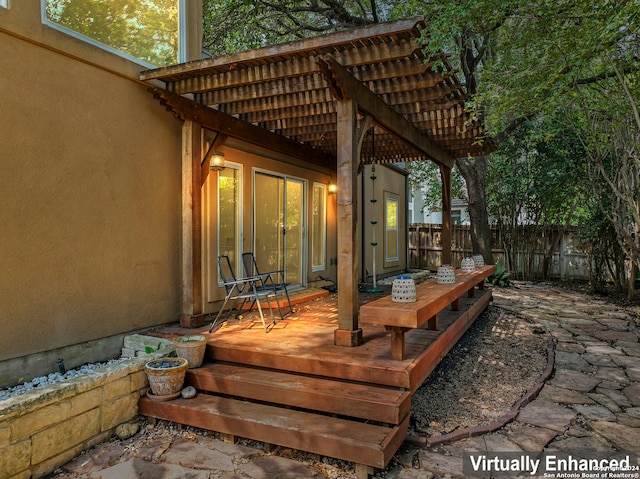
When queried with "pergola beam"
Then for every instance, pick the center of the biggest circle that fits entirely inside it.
(215, 120)
(380, 111)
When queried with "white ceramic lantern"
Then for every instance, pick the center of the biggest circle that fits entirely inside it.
(468, 265)
(478, 260)
(403, 289)
(446, 274)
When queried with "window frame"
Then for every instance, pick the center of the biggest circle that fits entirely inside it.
(389, 198)
(238, 168)
(182, 35)
(323, 221)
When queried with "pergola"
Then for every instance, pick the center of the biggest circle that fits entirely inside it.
(315, 99)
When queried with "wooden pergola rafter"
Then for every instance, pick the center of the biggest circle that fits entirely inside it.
(315, 98)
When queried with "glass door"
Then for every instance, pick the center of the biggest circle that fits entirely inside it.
(279, 225)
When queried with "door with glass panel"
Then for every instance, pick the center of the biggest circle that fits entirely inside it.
(279, 225)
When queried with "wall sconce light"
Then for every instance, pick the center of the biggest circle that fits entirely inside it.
(333, 188)
(217, 161)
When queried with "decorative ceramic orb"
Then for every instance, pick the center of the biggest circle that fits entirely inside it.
(403, 289)
(446, 274)
(478, 260)
(468, 265)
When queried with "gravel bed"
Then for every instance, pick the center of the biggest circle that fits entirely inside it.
(494, 364)
(53, 378)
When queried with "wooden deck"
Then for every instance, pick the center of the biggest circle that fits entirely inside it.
(293, 387)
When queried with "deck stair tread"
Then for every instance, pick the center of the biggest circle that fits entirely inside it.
(368, 444)
(365, 401)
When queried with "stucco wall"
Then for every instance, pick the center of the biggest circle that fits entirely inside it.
(90, 184)
(389, 181)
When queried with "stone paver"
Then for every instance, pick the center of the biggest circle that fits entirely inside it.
(141, 469)
(633, 394)
(576, 381)
(624, 438)
(564, 395)
(595, 413)
(586, 443)
(530, 438)
(573, 361)
(547, 414)
(605, 401)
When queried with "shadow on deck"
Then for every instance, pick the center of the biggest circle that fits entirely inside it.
(293, 387)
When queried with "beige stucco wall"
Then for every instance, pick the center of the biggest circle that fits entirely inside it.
(390, 181)
(90, 185)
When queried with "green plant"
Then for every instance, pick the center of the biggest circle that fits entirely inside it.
(149, 349)
(501, 277)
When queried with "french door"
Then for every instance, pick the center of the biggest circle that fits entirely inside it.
(279, 225)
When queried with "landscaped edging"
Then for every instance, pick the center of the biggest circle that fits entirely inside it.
(501, 421)
(46, 428)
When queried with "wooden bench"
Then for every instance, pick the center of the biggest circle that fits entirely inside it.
(431, 297)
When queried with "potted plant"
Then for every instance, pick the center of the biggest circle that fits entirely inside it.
(191, 348)
(166, 376)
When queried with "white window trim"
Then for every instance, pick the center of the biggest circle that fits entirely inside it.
(239, 168)
(323, 266)
(396, 258)
(182, 22)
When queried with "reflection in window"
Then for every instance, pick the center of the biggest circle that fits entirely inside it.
(3, 3)
(391, 229)
(229, 215)
(147, 30)
(319, 228)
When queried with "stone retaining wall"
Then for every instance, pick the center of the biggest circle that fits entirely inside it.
(44, 429)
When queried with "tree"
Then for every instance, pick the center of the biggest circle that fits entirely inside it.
(235, 25)
(533, 193)
(580, 63)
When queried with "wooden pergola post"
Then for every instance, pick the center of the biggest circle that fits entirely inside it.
(445, 173)
(191, 219)
(348, 332)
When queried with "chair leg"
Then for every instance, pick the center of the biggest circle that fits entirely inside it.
(213, 324)
(288, 300)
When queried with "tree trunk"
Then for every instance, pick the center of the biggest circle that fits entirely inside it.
(474, 172)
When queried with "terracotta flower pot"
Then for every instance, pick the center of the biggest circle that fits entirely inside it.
(191, 348)
(166, 375)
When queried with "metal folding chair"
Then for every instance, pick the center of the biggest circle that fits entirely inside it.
(273, 280)
(248, 288)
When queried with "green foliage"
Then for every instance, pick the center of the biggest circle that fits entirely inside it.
(501, 277)
(426, 176)
(236, 25)
(150, 350)
(534, 176)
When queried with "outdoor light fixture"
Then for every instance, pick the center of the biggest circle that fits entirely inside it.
(333, 188)
(217, 161)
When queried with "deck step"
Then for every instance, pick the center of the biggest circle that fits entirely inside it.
(364, 444)
(364, 401)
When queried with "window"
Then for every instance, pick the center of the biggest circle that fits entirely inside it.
(148, 31)
(456, 217)
(391, 228)
(229, 214)
(3, 3)
(319, 228)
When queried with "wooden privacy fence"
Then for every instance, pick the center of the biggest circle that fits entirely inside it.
(521, 250)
